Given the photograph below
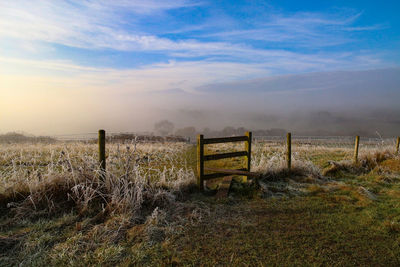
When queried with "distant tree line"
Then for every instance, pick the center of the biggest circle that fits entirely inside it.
(165, 128)
(11, 138)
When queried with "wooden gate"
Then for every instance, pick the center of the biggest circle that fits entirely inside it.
(215, 172)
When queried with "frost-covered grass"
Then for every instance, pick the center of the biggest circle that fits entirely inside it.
(42, 178)
(58, 208)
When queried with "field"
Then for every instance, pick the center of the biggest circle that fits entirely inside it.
(58, 207)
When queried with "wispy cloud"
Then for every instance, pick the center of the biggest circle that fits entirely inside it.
(367, 28)
(188, 76)
(350, 82)
(224, 55)
(304, 29)
(139, 6)
(117, 25)
(156, 77)
(86, 24)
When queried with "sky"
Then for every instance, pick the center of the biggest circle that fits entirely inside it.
(73, 66)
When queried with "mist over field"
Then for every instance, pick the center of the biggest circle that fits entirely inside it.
(336, 103)
(317, 103)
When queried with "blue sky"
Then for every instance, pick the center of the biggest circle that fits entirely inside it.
(131, 34)
(75, 49)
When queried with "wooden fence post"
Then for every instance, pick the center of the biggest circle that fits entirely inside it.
(397, 145)
(200, 161)
(356, 145)
(102, 151)
(248, 150)
(289, 151)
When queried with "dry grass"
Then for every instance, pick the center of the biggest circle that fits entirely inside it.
(147, 197)
(42, 180)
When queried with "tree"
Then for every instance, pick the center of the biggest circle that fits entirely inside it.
(187, 131)
(228, 131)
(164, 127)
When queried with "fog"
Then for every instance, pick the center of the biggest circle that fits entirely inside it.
(333, 103)
(329, 103)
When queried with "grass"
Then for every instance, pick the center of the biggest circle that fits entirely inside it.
(311, 231)
(350, 218)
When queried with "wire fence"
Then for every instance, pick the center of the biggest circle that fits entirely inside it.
(75, 137)
(146, 137)
(302, 147)
(327, 141)
(120, 137)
